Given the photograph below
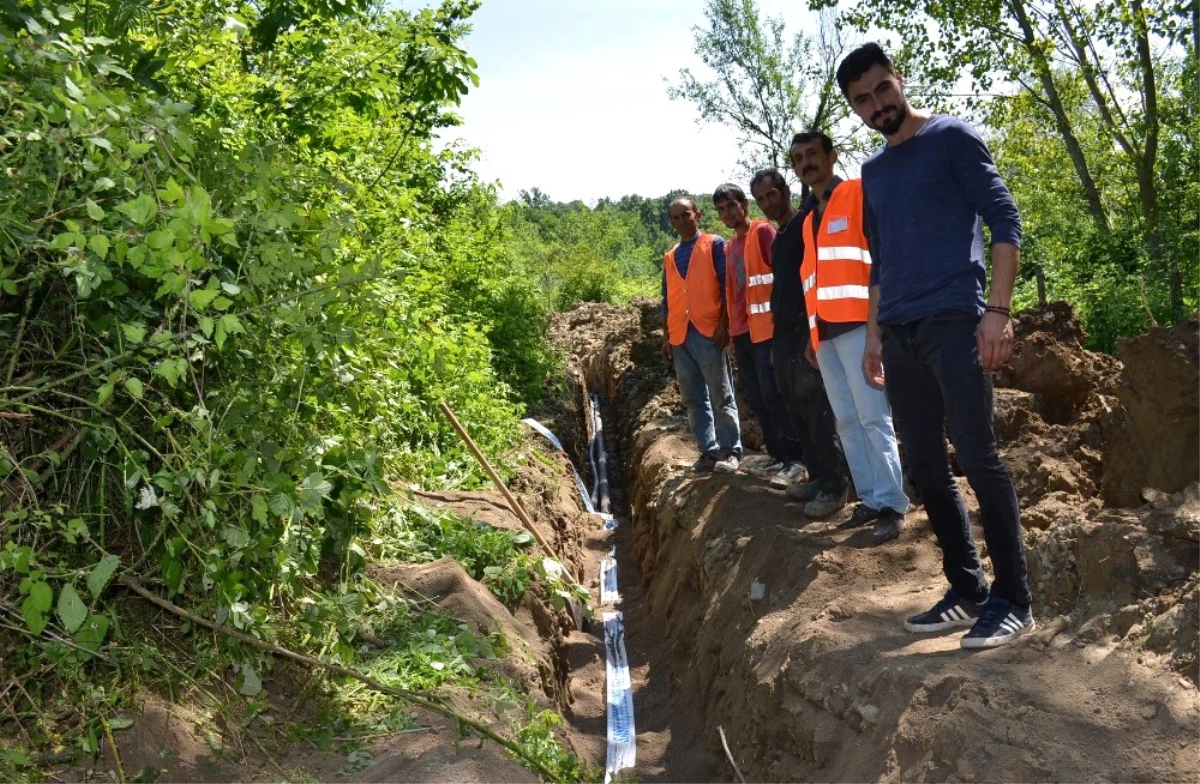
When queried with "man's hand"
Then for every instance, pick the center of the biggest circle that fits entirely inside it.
(811, 355)
(873, 359)
(666, 348)
(721, 338)
(994, 335)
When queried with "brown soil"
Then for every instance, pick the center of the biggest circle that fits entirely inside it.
(816, 680)
(743, 614)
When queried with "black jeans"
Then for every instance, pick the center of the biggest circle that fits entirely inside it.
(804, 398)
(757, 374)
(936, 384)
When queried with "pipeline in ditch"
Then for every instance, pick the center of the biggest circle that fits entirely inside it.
(621, 733)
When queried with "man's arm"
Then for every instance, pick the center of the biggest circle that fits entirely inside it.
(984, 187)
(666, 344)
(873, 352)
(995, 333)
(976, 171)
(766, 238)
(722, 335)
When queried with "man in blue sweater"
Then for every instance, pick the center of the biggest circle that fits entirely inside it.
(927, 192)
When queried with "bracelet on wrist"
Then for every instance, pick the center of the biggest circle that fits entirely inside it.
(998, 309)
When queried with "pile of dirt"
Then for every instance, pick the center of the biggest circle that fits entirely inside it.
(1153, 441)
(1051, 401)
(787, 633)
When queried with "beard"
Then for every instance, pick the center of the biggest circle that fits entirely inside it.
(891, 125)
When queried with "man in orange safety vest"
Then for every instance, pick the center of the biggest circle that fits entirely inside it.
(696, 338)
(836, 275)
(749, 279)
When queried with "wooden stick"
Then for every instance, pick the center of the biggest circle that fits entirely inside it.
(513, 504)
(729, 756)
(416, 699)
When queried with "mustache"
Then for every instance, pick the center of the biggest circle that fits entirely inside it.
(883, 111)
(808, 169)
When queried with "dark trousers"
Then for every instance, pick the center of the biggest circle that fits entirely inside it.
(757, 374)
(805, 400)
(936, 384)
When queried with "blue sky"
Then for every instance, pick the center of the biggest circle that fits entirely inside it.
(572, 97)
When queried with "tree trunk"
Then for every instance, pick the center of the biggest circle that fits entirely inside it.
(1196, 40)
(1074, 150)
(1147, 184)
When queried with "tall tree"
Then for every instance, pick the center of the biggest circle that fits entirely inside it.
(1117, 48)
(767, 85)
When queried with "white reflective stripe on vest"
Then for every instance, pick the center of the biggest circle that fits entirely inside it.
(812, 322)
(809, 282)
(761, 280)
(759, 307)
(843, 292)
(844, 253)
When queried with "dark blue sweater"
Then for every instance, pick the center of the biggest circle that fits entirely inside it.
(926, 200)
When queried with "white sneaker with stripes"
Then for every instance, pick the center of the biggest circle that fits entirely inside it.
(1000, 623)
(951, 612)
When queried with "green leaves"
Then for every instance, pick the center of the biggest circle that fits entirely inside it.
(227, 325)
(103, 572)
(36, 605)
(71, 609)
(202, 298)
(135, 388)
(138, 210)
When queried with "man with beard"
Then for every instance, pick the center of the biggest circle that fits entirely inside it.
(799, 383)
(928, 191)
(836, 274)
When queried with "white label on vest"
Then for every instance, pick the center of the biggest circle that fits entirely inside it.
(838, 224)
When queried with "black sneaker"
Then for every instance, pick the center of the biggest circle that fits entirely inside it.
(888, 526)
(804, 491)
(862, 515)
(1000, 623)
(949, 613)
(824, 505)
(704, 465)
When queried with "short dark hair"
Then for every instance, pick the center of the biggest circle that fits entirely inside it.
(728, 192)
(776, 178)
(805, 137)
(858, 63)
(684, 199)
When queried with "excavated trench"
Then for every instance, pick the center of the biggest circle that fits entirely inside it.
(743, 615)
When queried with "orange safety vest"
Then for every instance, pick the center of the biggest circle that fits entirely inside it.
(759, 280)
(836, 270)
(696, 298)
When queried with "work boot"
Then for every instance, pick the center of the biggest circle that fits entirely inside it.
(726, 465)
(888, 526)
(770, 469)
(862, 515)
(803, 491)
(789, 474)
(704, 465)
(824, 505)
